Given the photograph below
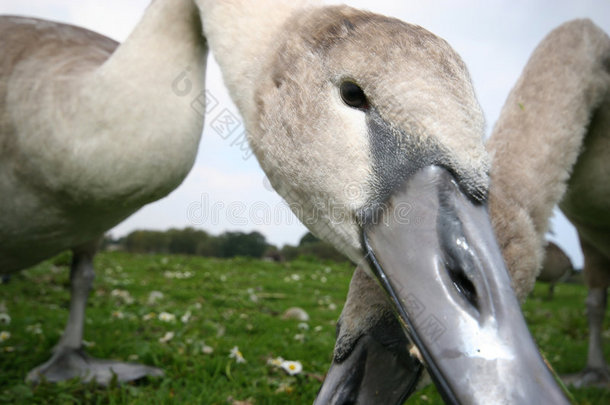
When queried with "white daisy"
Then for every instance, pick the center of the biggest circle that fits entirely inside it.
(292, 367)
(86, 343)
(154, 296)
(275, 362)
(34, 329)
(186, 317)
(167, 317)
(4, 336)
(167, 337)
(236, 354)
(149, 316)
(5, 319)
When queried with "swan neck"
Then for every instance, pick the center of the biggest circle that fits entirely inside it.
(167, 40)
(148, 97)
(241, 34)
(541, 128)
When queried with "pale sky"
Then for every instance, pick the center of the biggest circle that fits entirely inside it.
(228, 191)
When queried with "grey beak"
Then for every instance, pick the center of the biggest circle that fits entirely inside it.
(434, 252)
(377, 370)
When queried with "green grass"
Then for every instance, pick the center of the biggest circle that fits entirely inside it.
(236, 302)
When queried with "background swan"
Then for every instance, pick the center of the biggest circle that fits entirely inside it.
(556, 121)
(556, 267)
(90, 132)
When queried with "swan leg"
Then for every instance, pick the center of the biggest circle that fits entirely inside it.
(596, 309)
(68, 359)
(596, 271)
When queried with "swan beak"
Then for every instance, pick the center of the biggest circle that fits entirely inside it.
(434, 252)
(378, 370)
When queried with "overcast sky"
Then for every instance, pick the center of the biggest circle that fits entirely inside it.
(226, 190)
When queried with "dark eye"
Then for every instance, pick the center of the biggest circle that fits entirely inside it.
(353, 95)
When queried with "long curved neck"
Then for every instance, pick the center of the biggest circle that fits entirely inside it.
(145, 105)
(241, 33)
(167, 39)
(539, 135)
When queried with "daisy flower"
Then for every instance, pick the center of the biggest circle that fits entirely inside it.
(34, 329)
(86, 343)
(186, 317)
(292, 367)
(284, 387)
(236, 354)
(277, 362)
(167, 317)
(154, 296)
(149, 316)
(4, 335)
(5, 319)
(122, 294)
(167, 337)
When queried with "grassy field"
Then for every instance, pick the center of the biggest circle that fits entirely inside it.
(205, 307)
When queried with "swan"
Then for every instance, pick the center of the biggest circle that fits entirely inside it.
(549, 143)
(369, 128)
(562, 131)
(556, 267)
(91, 131)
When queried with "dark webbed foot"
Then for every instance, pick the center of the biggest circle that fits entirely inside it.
(589, 377)
(69, 363)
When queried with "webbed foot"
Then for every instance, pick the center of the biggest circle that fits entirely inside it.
(68, 363)
(589, 377)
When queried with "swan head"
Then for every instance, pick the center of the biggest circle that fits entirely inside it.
(349, 105)
(370, 130)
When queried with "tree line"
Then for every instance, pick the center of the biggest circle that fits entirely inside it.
(198, 242)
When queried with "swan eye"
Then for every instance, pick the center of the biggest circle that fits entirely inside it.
(353, 95)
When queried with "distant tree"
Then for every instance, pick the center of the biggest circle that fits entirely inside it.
(251, 244)
(188, 241)
(110, 243)
(274, 254)
(311, 246)
(290, 252)
(147, 242)
(308, 238)
(193, 241)
(322, 250)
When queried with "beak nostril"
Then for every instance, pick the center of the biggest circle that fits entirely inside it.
(464, 286)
